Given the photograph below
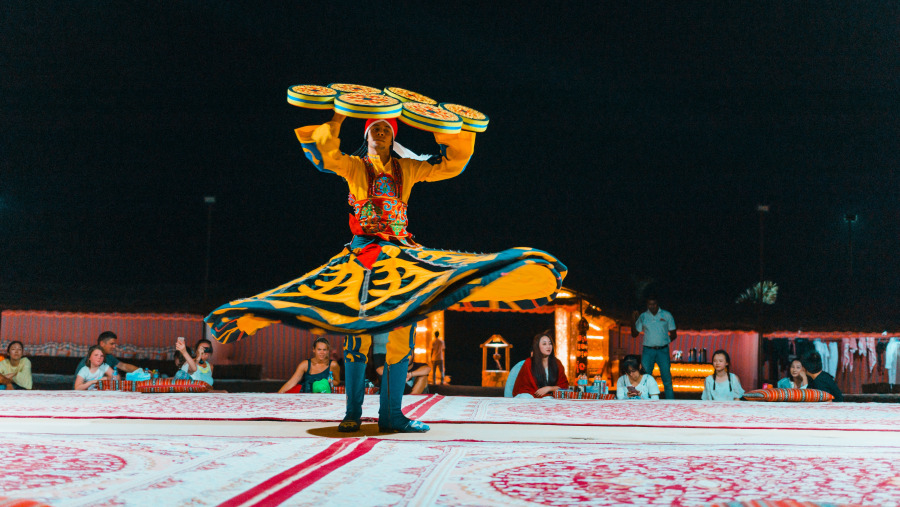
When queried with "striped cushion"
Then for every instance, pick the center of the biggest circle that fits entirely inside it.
(568, 394)
(775, 394)
(112, 385)
(171, 385)
(779, 503)
(341, 390)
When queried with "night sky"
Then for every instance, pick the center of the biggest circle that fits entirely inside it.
(632, 141)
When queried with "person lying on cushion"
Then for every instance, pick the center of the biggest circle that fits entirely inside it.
(796, 378)
(722, 385)
(818, 379)
(94, 370)
(311, 375)
(634, 384)
(15, 370)
(416, 377)
(542, 373)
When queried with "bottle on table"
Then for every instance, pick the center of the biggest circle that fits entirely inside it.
(330, 380)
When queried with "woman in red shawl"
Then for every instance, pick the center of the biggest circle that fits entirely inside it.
(542, 373)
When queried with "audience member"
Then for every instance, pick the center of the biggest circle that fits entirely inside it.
(634, 384)
(416, 377)
(180, 362)
(15, 370)
(542, 373)
(796, 378)
(196, 367)
(93, 371)
(722, 385)
(818, 379)
(658, 327)
(311, 375)
(437, 357)
(108, 342)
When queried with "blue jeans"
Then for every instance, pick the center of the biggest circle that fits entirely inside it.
(661, 357)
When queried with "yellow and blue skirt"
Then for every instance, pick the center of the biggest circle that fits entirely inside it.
(375, 285)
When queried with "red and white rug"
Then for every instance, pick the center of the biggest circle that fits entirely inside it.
(162, 470)
(195, 406)
(672, 413)
(453, 409)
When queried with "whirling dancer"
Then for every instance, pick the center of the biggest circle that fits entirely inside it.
(382, 283)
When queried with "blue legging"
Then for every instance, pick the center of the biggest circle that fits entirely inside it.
(398, 345)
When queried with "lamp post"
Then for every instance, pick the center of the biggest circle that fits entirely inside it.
(850, 218)
(762, 209)
(209, 200)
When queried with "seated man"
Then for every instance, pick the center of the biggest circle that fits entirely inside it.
(108, 341)
(818, 379)
(416, 377)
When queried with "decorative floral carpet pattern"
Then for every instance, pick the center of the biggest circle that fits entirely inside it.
(453, 409)
(677, 413)
(213, 406)
(161, 470)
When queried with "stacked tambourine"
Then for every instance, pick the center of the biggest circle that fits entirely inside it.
(413, 109)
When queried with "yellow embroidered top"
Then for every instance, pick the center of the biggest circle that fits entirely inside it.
(322, 146)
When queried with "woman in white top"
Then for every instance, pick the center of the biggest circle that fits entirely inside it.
(634, 384)
(722, 385)
(797, 378)
(93, 371)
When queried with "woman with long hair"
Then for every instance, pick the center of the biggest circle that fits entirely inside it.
(311, 375)
(722, 385)
(634, 384)
(194, 366)
(93, 371)
(542, 373)
(796, 378)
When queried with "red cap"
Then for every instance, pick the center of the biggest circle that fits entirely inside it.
(390, 121)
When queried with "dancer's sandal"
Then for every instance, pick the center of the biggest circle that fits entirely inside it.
(348, 426)
(410, 427)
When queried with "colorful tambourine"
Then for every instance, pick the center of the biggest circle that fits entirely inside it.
(407, 96)
(473, 120)
(343, 88)
(368, 105)
(311, 96)
(430, 117)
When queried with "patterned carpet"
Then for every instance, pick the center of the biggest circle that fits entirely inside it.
(454, 409)
(194, 406)
(124, 449)
(159, 470)
(670, 413)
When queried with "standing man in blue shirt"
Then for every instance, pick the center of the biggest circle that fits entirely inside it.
(658, 327)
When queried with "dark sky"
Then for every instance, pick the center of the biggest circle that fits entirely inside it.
(632, 141)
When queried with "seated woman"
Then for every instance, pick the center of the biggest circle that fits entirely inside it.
(634, 384)
(93, 370)
(797, 378)
(314, 370)
(15, 370)
(195, 367)
(542, 373)
(722, 385)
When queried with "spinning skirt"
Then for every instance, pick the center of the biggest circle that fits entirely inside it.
(374, 286)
